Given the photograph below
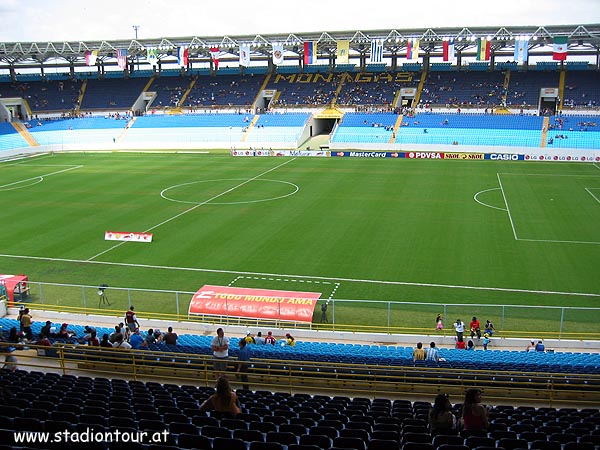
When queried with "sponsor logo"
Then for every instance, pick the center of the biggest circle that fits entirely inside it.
(505, 157)
(367, 154)
(425, 155)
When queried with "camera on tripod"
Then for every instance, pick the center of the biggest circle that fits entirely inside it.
(103, 300)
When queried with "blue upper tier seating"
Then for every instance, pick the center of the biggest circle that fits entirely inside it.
(483, 89)
(55, 95)
(304, 89)
(169, 90)
(224, 90)
(367, 89)
(111, 94)
(582, 89)
(524, 88)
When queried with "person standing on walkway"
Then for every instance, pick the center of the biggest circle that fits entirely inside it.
(220, 348)
(459, 327)
(243, 365)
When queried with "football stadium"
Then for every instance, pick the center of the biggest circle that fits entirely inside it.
(350, 196)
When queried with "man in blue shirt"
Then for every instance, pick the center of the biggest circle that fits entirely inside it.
(244, 362)
(136, 340)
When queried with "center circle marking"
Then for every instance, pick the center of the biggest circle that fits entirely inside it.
(164, 195)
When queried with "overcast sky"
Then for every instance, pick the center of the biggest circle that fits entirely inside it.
(80, 20)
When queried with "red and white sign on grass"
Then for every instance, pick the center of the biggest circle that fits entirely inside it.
(127, 236)
(254, 303)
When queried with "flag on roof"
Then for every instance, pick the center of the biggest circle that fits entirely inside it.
(244, 55)
(559, 51)
(122, 58)
(448, 49)
(152, 56)
(310, 53)
(376, 51)
(483, 49)
(183, 56)
(412, 49)
(91, 57)
(342, 53)
(214, 54)
(278, 53)
(521, 49)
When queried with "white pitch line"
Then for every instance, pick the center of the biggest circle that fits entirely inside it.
(287, 277)
(589, 191)
(195, 206)
(559, 241)
(40, 176)
(507, 208)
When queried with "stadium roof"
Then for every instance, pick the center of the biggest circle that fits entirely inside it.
(583, 40)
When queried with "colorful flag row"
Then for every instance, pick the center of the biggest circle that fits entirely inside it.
(343, 52)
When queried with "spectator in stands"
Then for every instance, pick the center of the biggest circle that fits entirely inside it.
(158, 336)
(249, 338)
(470, 345)
(105, 342)
(259, 339)
(10, 363)
(118, 330)
(93, 340)
(136, 340)
(171, 337)
(539, 347)
(460, 344)
(150, 339)
(459, 327)
(474, 414)
(220, 348)
(26, 322)
(87, 333)
(13, 336)
(45, 330)
(530, 347)
(224, 400)
(131, 319)
(64, 332)
(243, 365)
(121, 343)
(289, 340)
(419, 352)
(475, 328)
(489, 328)
(441, 418)
(433, 354)
(270, 339)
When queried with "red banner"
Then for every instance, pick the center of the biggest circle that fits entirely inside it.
(15, 284)
(254, 303)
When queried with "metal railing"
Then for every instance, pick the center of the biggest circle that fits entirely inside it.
(366, 316)
(293, 376)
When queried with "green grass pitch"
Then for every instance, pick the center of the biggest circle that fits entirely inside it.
(432, 232)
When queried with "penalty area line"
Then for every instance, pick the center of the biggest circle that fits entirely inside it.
(335, 284)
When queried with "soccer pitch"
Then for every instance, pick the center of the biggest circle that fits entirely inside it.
(452, 232)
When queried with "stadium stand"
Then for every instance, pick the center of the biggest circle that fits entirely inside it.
(49, 401)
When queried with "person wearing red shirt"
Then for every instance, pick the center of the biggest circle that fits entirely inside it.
(461, 344)
(475, 328)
